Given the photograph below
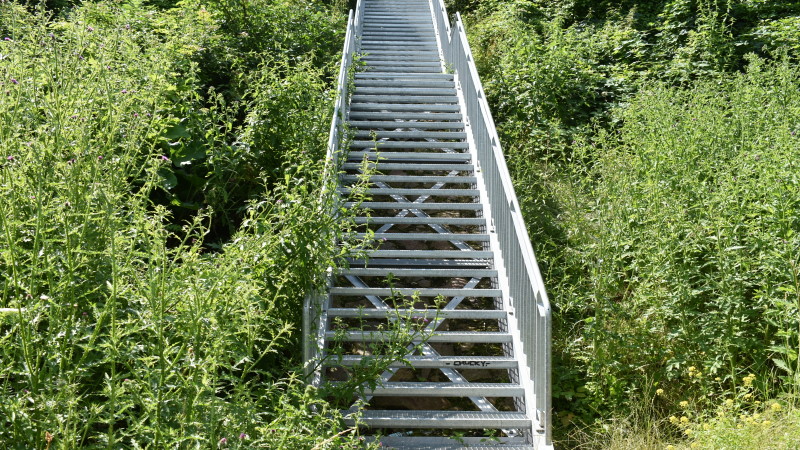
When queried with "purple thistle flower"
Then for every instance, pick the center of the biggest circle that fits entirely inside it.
(164, 158)
(10, 158)
(223, 441)
(14, 80)
(243, 436)
(124, 91)
(89, 28)
(135, 114)
(100, 158)
(7, 38)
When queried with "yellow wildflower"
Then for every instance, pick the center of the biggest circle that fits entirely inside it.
(659, 392)
(776, 406)
(766, 423)
(670, 447)
(729, 402)
(684, 404)
(673, 420)
(694, 445)
(684, 419)
(706, 426)
(687, 431)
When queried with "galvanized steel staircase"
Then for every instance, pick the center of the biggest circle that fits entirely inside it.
(437, 243)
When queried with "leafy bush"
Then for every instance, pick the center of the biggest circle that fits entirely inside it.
(118, 326)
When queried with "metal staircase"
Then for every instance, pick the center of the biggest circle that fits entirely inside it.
(452, 261)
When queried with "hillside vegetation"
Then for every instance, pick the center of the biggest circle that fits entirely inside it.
(654, 146)
(160, 221)
(163, 214)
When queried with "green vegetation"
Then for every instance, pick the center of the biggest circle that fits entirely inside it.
(161, 204)
(654, 147)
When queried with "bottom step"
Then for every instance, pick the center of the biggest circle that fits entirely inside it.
(442, 419)
(429, 443)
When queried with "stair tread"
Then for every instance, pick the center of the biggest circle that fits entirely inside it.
(422, 292)
(416, 206)
(428, 253)
(443, 419)
(446, 443)
(410, 191)
(484, 337)
(427, 362)
(423, 220)
(444, 389)
(419, 313)
(460, 273)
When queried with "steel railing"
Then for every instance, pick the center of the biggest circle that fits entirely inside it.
(525, 284)
(313, 302)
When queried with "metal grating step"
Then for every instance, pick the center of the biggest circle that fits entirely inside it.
(449, 273)
(434, 117)
(419, 292)
(421, 206)
(460, 221)
(442, 419)
(446, 443)
(370, 313)
(438, 362)
(421, 167)
(437, 389)
(429, 192)
(413, 179)
(406, 156)
(399, 107)
(413, 124)
(454, 337)
(449, 135)
(421, 76)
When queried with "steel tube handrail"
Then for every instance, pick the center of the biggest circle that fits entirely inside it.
(313, 300)
(526, 287)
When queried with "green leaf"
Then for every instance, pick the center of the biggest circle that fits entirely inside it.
(177, 131)
(168, 178)
(782, 364)
(188, 154)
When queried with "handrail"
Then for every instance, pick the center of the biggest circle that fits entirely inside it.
(313, 301)
(525, 285)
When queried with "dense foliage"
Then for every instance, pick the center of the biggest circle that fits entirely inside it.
(160, 222)
(161, 207)
(654, 147)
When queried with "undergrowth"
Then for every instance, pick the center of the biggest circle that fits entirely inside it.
(161, 208)
(653, 146)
